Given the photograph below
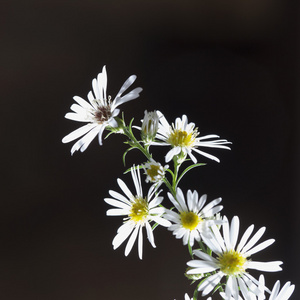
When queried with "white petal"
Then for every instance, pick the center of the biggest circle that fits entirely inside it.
(119, 197)
(245, 237)
(78, 133)
(272, 266)
(140, 243)
(131, 240)
(76, 117)
(260, 247)
(254, 239)
(150, 234)
(83, 103)
(122, 235)
(116, 203)
(209, 283)
(125, 189)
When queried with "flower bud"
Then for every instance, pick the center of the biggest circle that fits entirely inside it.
(149, 126)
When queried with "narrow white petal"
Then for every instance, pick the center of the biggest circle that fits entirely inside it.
(245, 238)
(272, 266)
(119, 196)
(116, 212)
(78, 133)
(76, 117)
(116, 203)
(125, 189)
(205, 256)
(131, 240)
(254, 239)
(260, 247)
(234, 232)
(161, 221)
(207, 155)
(150, 235)
(84, 142)
(88, 138)
(140, 243)
(122, 235)
(208, 284)
(173, 152)
(83, 103)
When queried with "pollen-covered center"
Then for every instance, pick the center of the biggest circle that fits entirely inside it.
(139, 210)
(153, 172)
(232, 262)
(189, 220)
(182, 138)
(103, 114)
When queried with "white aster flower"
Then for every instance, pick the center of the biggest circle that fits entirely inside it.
(276, 294)
(155, 171)
(232, 260)
(99, 112)
(193, 219)
(183, 138)
(139, 212)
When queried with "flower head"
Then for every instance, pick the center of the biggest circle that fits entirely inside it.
(183, 138)
(193, 219)
(232, 261)
(276, 294)
(155, 171)
(138, 211)
(98, 113)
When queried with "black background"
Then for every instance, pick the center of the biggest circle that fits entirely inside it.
(232, 67)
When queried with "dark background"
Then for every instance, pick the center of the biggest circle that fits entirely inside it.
(231, 66)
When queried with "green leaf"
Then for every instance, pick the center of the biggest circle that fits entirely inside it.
(124, 155)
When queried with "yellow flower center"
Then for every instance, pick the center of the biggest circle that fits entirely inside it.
(139, 210)
(232, 262)
(153, 171)
(189, 220)
(182, 138)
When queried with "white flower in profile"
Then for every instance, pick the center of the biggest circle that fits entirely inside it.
(155, 171)
(99, 112)
(149, 126)
(183, 138)
(193, 219)
(139, 211)
(232, 260)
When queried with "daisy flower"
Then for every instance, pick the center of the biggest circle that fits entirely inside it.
(138, 210)
(155, 171)
(183, 138)
(193, 219)
(277, 294)
(232, 260)
(98, 113)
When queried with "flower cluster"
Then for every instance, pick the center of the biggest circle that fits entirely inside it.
(221, 260)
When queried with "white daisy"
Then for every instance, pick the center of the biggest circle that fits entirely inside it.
(183, 138)
(232, 260)
(193, 219)
(276, 294)
(139, 212)
(99, 113)
(155, 171)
